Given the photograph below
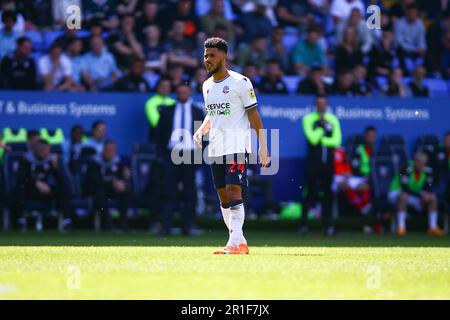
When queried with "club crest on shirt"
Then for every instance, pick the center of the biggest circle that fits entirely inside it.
(226, 89)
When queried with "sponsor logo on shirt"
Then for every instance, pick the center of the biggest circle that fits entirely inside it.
(219, 109)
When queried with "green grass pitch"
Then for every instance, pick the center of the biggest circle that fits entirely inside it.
(86, 265)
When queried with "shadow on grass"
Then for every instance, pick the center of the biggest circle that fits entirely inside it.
(217, 239)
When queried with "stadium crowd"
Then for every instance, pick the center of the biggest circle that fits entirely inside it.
(127, 45)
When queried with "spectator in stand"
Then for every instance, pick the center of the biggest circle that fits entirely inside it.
(251, 24)
(183, 11)
(176, 76)
(200, 76)
(319, 8)
(313, 84)
(344, 84)
(382, 56)
(134, 81)
(18, 71)
(155, 55)
(277, 50)
(293, 13)
(74, 49)
(56, 70)
(8, 37)
(221, 31)
(19, 23)
(348, 54)
(395, 87)
(435, 36)
(105, 10)
(417, 86)
(410, 39)
(341, 9)
(96, 30)
(215, 17)
(272, 81)
(446, 55)
(101, 66)
(150, 15)
(252, 72)
(362, 85)
(308, 53)
(127, 6)
(255, 53)
(124, 44)
(356, 21)
(180, 48)
(398, 9)
(38, 14)
(67, 37)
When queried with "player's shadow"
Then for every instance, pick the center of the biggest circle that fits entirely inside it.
(216, 239)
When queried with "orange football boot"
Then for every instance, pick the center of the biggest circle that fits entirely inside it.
(401, 231)
(240, 249)
(436, 232)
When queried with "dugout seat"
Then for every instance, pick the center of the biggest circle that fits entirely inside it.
(382, 175)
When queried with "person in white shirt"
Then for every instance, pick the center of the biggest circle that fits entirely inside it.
(230, 103)
(341, 9)
(56, 69)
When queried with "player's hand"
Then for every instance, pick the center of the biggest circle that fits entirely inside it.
(263, 157)
(198, 138)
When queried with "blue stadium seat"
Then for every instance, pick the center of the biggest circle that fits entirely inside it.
(37, 40)
(292, 83)
(437, 87)
(50, 37)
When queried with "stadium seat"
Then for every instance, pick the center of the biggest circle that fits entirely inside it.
(11, 163)
(79, 201)
(437, 87)
(37, 40)
(141, 167)
(50, 37)
(352, 142)
(382, 174)
(292, 83)
(427, 143)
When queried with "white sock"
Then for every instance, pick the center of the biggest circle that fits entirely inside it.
(237, 216)
(401, 219)
(432, 220)
(226, 216)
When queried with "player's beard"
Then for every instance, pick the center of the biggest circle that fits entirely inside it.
(213, 72)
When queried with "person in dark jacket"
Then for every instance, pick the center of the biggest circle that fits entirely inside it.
(108, 178)
(40, 180)
(173, 140)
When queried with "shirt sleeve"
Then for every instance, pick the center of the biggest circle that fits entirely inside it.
(247, 94)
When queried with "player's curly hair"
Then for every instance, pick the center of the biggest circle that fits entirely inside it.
(218, 43)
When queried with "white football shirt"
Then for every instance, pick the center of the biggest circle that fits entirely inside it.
(226, 103)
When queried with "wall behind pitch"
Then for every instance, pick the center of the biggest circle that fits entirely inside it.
(127, 124)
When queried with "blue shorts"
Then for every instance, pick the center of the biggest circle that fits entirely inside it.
(230, 169)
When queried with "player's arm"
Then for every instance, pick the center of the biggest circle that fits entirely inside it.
(257, 125)
(204, 129)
